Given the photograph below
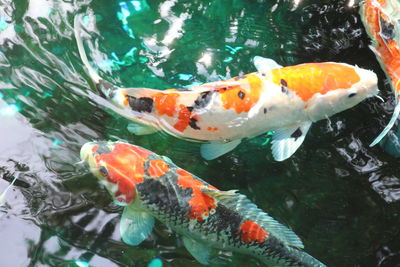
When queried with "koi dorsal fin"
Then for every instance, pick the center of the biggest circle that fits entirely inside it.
(263, 64)
(241, 204)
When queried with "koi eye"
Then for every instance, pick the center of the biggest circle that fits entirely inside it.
(351, 95)
(103, 170)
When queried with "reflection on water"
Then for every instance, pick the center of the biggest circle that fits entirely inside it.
(340, 196)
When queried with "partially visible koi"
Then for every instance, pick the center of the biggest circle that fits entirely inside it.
(381, 19)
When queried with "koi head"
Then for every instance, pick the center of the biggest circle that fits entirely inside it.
(327, 88)
(119, 166)
(348, 89)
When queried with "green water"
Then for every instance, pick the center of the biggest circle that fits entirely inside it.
(340, 196)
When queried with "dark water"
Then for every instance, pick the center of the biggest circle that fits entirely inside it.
(338, 195)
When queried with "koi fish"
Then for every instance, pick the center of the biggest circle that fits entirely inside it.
(150, 186)
(220, 114)
(381, 19)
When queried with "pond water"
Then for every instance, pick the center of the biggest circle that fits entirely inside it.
(340, 196)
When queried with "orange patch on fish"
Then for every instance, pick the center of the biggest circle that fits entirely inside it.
(183, 118)
(251, 231)
(165, 103)
(157, 168)
(212, 129)
(94, 148)
(389, 50)
(125, 167)
(308, 79)
(242, 97)
(200, 203)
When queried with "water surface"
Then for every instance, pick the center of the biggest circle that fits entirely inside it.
(340, 196)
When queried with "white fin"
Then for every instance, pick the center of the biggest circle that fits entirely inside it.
(199, 251)
(135, 226)
(138, 129)
(263, 64)
(241, 204)
(215, 150)
(389, 126)
(92, 73)
(286, 141)
(166, 159)
(3, 195)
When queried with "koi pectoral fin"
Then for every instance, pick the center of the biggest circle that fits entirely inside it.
(138, 129)
(287, 140)
(199, 251)
(214, 150)
(135, 226)
(389, 126)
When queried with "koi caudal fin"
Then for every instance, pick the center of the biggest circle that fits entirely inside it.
(389, 126)
(77, 29)
(105, 88)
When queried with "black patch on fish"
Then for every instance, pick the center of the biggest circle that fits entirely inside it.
(241, 94)
(224, 219)
(103, 170)
(387, 29)
(166, 198)
(272, 247)
(296, 134)
(265, 110)
(203, 100)
(103, 87)
(193, 124)
(140, 104)
(284, 86)
(351, 95)
(102, 149)
(190, 108)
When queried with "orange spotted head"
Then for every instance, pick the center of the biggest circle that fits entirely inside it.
(326, 88)
(119, 166)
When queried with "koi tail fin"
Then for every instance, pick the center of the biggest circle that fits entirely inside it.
(92, 73)
(389, 126)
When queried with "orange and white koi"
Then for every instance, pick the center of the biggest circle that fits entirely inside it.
(220, 114)
(381, 19)
(152, 186)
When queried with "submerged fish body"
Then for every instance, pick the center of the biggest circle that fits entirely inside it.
(151, 186)
(282, 99)
(381, 19)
